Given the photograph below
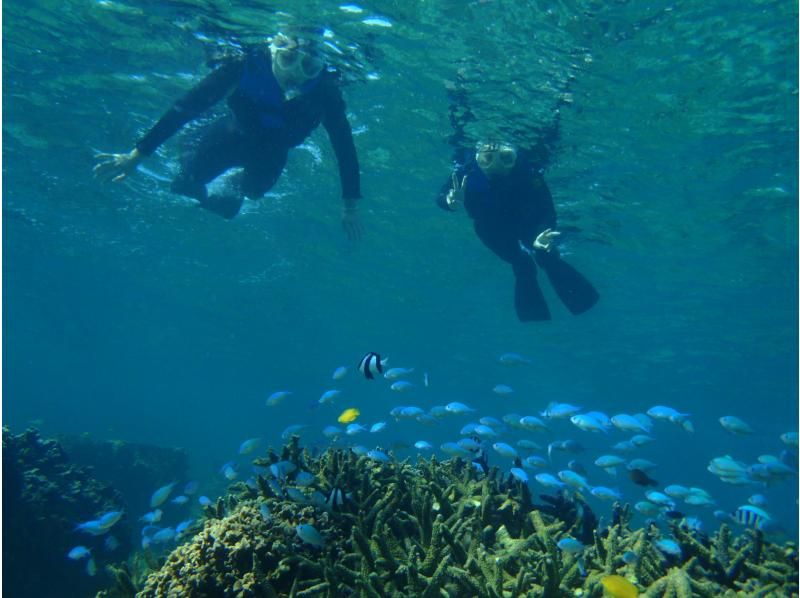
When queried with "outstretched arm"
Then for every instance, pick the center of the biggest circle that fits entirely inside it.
(115, 167)
(341, 136)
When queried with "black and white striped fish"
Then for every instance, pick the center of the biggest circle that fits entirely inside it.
(371, 365)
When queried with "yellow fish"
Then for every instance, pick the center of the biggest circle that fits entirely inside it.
(616, 586)
(349, 415)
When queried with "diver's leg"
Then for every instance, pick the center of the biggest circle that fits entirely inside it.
(529, 301)
(572, 287)
(528, 298)
(218, 151)
(261, 170)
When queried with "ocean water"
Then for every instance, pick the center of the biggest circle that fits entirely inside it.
(129, 314)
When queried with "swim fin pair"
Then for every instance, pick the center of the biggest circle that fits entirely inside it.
(573, 289)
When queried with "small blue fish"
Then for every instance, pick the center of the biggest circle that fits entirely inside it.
(78, 553)
(181, 528)
(548, 480)
(484, 431)
(588, 423)
(629, 557)
(161, 495)
(457, 408)
(377, 427)
(604, 493)
(532, 423)
(309, 534)
(379, 456)
(163, 536)
(535, 461)
(395, 373)
(304, 479)
(191, 487)
(339, 372)
(264, 511)
(296, 494)
(294, 430)
(276, 398)
(470, 444)
(229, 470)
(505, 450)
(573, 479)
(630, 423)
(328, 396)
(789, 439)
(91, 567)
(559, 410)
(180, 500)
(667, 413)
(353, 429)
(513, 359)
(249, 445)
(332, 432)
(281, 469)
(93, 527)
(204, 501)
(758, 500)
(152, 517)
(570, 545)
(451, 448)
(519, 474)
(734, 425)
(503, 389)
(402, 386)
(423, 445)
(110, 518)
(669, 547)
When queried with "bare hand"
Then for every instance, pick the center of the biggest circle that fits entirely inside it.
(544, 241)
(455, 197)
(115, 167)
(351, 224)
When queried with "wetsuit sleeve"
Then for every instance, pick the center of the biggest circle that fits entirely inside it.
(537, 211)
(196, 101)
(341, 136)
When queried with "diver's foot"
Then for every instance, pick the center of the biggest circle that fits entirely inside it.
(226, 206)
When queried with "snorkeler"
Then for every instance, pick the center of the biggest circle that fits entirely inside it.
(277, 95)
(513, 215)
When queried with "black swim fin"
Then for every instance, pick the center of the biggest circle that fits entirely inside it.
(575, 291)
(529, 301)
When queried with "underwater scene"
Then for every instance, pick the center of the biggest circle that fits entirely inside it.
(432, 298)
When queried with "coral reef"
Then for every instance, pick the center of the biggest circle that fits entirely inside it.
(441, 529)
(133, 469)
(44, 496)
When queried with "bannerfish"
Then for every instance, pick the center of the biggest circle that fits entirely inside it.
(371, 365)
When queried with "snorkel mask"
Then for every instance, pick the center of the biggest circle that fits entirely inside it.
(495, 159)
(294, 60)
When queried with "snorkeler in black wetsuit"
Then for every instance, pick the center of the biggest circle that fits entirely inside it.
(513, 215)
(278, 94)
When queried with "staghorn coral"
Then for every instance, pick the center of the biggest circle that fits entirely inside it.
(434, 529)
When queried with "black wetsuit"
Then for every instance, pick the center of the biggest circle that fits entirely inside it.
(258, 134)
(515, 208)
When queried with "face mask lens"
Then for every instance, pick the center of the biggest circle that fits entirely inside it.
(508, 156)
(311, 66)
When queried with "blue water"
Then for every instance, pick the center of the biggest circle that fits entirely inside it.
(130, 314)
